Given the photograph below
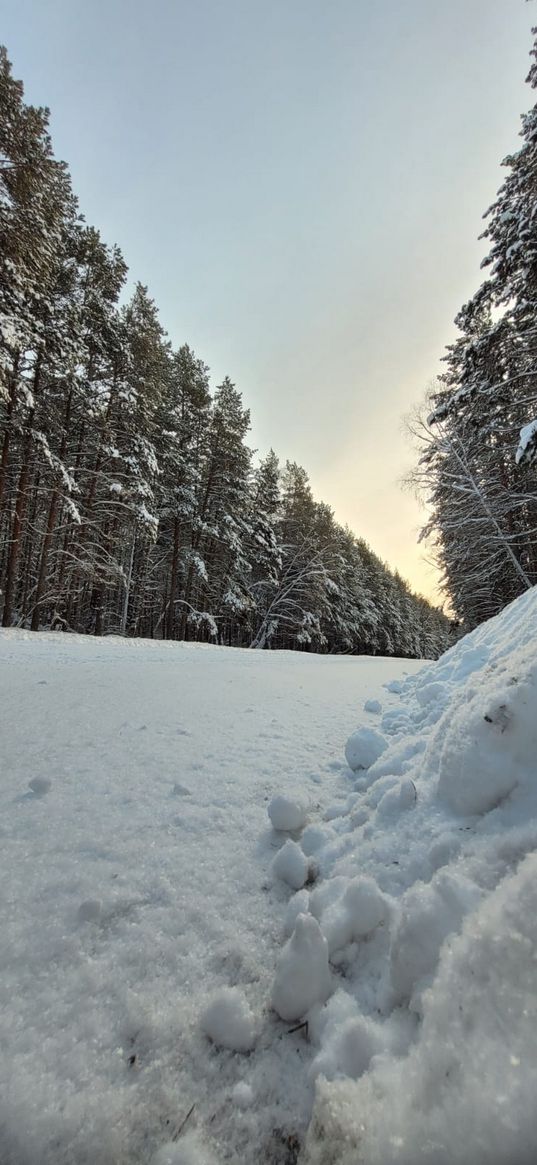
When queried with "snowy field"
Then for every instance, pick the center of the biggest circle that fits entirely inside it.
(264, 907)
(139, 884)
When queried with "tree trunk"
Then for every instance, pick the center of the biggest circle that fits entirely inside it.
(170, 628)
(15, 541)
(51, 522)
(123, 625)
(4, 463)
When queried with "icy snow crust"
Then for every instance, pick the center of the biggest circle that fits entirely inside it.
(375, 972)
(137, 892)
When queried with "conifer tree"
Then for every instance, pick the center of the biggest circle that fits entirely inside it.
(484, 504)
(128, 498)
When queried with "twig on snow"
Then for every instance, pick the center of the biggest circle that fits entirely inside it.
(178, 1132)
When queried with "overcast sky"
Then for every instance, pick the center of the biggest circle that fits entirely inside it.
(300, 183)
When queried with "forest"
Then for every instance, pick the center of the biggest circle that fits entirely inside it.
(478, 434)
(130, 501)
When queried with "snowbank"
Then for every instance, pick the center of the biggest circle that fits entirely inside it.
(427, 900)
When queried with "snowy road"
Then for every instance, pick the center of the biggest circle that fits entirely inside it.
(138, 883)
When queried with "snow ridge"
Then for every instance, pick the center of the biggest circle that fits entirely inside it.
(426, 896)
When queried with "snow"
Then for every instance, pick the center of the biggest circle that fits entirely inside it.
(426, 1052)
(428, 914)
(312, 838)
(377, 1004)
(298, 904)
(373, 706)
(348, 1048)
(243, 1094)
(189, 1150)
(526, 440)
(358, 912)
(363, 748)
(287, 814)
(90, 911)
(139, 888)
(466, 1089)
(291, 865)
(302, 975)
(485, 743)
(229, 1021)
(40, 786)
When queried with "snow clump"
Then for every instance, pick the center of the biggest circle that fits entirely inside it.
(427, 915)
(363, 748)
(298, 904)
(487, 746)
(302, 975)
(291, 865)
(313, 837)
(348, 1049)
(402, 795)
(374, 706)
(287, 814)
(358, 912)
(229, 1022)
(189, 1150)
(243, 1095)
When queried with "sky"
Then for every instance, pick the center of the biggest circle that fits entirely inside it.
(300, 184)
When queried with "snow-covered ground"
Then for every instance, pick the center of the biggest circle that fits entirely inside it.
(225, 942)
(426, 1049)
(138, 885)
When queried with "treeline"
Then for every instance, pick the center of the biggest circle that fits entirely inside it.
(479, 443)
(129, 502)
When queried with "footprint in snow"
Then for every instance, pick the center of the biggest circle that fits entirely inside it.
(90, 910)
(39, 786)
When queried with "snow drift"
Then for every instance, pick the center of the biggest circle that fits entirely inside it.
(427, 899)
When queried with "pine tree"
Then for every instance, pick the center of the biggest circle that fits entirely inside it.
(128, 501)
(182, 446)
(37, 211)
(485, 506)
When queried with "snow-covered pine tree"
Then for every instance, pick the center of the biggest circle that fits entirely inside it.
(79, 553)
(484, 504)
(182, 424)
(127, 497)
(265, 551)
(215, 596)
(37, 211)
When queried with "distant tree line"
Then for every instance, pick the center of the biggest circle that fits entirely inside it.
(129, 500)
(477, 464)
